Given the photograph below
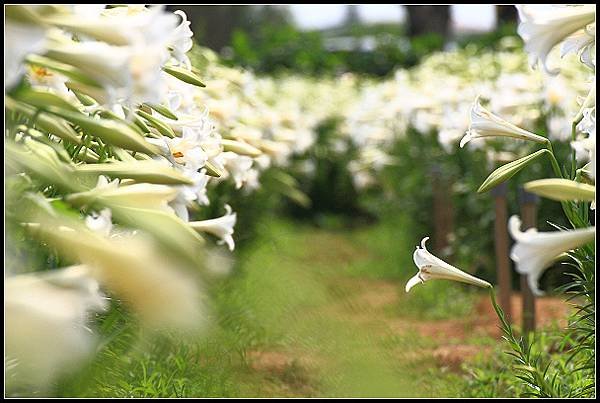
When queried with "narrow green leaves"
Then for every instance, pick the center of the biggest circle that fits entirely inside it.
(45, 122)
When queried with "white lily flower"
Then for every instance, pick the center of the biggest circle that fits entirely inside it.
(543, 29)
(588, 125)
(238, 166)
(486, 124)
(431, 268)
(121, 26)
(181, 40)
(581, 43)
(46, 318)
(534, 252)
(100, 222)
(20, 40)
(221, 227)
(131, 73)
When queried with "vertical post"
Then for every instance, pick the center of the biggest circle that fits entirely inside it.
(503, 268)
(442, 210)
(528, 202)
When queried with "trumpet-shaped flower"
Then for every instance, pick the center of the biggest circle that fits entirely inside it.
(431, 268)
(534, 252)
(221, 227)
(486, 124)
(543, 29)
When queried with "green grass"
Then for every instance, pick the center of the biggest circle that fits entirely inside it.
(293, 294)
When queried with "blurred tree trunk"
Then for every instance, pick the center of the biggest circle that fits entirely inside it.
(428, 19)
(214, 25)
(506, 14)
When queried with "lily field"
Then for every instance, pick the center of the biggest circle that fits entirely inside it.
(181, 222)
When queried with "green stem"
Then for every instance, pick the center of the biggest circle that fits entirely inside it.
(553, 161)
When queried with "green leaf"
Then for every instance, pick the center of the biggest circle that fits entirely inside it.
(505, 172)
(43, 121)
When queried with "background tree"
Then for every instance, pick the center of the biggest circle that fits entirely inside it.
(506, 14)
(428, 19)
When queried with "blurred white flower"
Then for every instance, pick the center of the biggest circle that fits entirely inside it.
(46, 319)
(534, 252)
(543, 29)
(238, 166)
(121, 26)
(431, 268)
(221, 227)
(582, 43)
(20, 40)
(132, 74)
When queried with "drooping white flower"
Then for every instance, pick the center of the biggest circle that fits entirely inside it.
(46, 319)
(534, 252)
(221, 227)
(486, 124)
(543, 29)
(431, 268)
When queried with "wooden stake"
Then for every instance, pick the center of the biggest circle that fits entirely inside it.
(503, 267)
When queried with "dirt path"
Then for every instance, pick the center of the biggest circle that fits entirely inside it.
(354, 325)
(367, 304)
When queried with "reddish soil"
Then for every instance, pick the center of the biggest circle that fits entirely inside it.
(366, 302)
